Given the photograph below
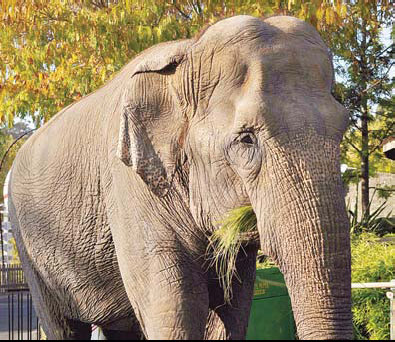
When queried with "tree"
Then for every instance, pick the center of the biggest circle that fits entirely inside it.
(378, 131)
(364, 63)
(55, 52)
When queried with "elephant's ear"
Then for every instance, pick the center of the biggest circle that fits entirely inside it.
(151, 118)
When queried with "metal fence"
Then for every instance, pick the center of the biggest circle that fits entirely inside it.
(18, 320)
(12, 278)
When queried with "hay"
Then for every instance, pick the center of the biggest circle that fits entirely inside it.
(226, 242)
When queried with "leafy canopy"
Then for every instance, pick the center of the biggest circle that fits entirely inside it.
(54, 52)
(363, 57)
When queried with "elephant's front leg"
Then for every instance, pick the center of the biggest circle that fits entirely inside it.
(235, 316)
(172, 301)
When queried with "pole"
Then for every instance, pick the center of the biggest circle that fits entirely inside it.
(382, 285)
(390, 296)
(2, 242)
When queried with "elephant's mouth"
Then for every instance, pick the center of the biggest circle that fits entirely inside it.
(236, 232)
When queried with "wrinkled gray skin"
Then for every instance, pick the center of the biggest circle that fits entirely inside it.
(112, 200)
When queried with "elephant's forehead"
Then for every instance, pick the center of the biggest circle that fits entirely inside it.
(284, 44)
(286, 84)
(284, 72)
(292, 66)
(243, 28)
(285, 66)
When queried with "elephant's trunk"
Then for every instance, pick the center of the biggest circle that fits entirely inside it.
(307, 232)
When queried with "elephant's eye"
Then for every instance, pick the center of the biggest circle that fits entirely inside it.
(247, 138)
(244, 153)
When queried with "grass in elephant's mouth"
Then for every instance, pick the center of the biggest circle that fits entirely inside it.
(226, 242)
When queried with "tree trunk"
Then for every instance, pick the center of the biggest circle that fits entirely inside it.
(364, 128)
(365, 159)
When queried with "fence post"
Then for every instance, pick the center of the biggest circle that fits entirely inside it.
(390, 296)
(2, 239)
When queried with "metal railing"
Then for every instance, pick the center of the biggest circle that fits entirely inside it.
(23, 323)
(18, 318)
(12, 279)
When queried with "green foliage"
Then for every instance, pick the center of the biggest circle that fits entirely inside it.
(225, 244)
(372, 261)
(15, 256)
(350, 176)
(54, 52)
(363, 62)
(372, 222)
(385, 191)
(381, 125)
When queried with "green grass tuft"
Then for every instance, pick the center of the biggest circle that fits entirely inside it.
(225, 244)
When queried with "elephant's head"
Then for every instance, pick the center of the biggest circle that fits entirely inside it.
(246, 110)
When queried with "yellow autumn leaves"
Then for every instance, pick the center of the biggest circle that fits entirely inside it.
(54, 52)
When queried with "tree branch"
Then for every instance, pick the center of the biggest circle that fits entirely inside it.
(387, 48)
(384, 136)
(13, 143)
(186, 16)
(377, 82)
(352, 145)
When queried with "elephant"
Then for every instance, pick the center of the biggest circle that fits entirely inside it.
(113, 201)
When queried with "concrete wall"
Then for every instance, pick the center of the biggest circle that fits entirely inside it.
(380, 180)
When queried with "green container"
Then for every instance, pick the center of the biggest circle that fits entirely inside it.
(271, 315)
